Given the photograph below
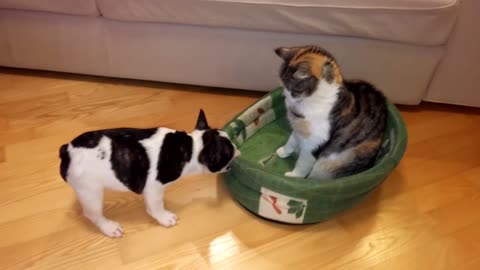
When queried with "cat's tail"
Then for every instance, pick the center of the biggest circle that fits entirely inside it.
(65, 161)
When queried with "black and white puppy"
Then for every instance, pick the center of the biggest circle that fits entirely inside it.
(144, 161)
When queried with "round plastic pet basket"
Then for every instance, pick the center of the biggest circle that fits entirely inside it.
(257, 178)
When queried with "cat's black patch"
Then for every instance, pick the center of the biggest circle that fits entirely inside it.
(346, 101)
(175, 152)
(320, 149)
(65, 161)
(364, 120)
(372, 111)
(286, 53)
(297, 87)
(359, 164)
(129, 158)
(217, 151)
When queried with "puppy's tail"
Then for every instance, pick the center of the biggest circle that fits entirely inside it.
(65, 161)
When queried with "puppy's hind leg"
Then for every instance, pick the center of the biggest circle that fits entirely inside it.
(91, 199)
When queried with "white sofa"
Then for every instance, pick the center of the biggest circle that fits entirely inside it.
(413, 50)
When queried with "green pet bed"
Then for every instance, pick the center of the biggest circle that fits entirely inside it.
(257, 178)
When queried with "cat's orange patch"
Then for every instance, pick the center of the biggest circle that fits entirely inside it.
(349, 108)
(327, 166)
(315, 62)
(301, 127)
(367, 146)
(337, 74)
(335, 164)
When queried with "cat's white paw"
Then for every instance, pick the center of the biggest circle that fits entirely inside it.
(282, 152)
(111, 229)
(293, 174)
(166, 218)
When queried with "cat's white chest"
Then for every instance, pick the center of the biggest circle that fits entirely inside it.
(309, 117)
(298, 121)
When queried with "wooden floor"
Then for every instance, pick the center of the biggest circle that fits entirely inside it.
(425, 216)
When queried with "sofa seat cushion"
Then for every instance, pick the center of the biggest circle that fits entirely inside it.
(426, 22)
(72, 7)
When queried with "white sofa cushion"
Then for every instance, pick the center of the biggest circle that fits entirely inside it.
(426, 22)
(73, 7)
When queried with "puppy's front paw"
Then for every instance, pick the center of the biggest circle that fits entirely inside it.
(293, 174)
(282, 152)
(167, 218)
(111, 229)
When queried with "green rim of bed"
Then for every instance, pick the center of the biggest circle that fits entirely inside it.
(257, 178)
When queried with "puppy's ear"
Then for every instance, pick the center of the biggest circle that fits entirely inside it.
(201, 121)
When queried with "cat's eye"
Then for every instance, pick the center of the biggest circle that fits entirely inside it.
(301, 74)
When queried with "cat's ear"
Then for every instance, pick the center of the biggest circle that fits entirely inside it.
(201, 121)
(286, 53)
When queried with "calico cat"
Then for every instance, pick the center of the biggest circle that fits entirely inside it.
(338, 124)
(144, 161)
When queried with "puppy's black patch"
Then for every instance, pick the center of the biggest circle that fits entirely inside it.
(101, 154)
(88, 139)
(65, 163)
(130, 163)
(91, 139)
(217, 151)
(129, 158)
(130, 133)
(175, 152)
